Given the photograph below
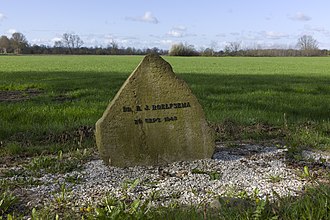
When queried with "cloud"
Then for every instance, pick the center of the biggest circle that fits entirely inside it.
(55, 39)
(43, 41)
(11, 31)
(120, 40)
(274, 35)
(110, 38)
(147, 17)
(311, 30)
(221, 35)
(315, 28)
(167, 42)
(234, 33)
(2, 17)
(155, 36)
(327, 33)
(180, 28)
(39, 41)
(178, 31)
(249, 36)
(174, 33)
(299, 16)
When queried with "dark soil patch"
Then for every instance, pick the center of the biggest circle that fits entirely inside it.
(66, 137)
(17, 96)
(83, 132)
(62, 98)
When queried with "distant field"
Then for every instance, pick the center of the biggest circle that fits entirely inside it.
(41, 95)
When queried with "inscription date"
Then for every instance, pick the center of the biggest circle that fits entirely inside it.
(155, 120)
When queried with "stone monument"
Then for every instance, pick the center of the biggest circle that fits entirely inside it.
(154, 119)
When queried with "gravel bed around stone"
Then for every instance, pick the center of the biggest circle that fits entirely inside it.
(317, 156)
(248, 168)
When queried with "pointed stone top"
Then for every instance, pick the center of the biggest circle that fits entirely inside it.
(156, 62)
(152, 58)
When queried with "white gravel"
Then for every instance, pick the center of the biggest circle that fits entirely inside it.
(317, 156)
(250, 168)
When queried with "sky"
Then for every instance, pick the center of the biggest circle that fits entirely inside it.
(162, 23)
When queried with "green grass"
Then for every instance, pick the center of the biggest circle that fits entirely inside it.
(289, 94)
(75, 91)
(259, 89)
(312, 204)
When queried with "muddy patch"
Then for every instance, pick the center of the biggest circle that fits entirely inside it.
(17, 95)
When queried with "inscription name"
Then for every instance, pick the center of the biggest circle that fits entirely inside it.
(154, 107)
(170, 106)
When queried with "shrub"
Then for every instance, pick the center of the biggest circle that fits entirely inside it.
(183, 50)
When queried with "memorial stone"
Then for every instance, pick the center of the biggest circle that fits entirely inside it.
(154, 119)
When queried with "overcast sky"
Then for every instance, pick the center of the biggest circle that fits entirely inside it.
(160, 23)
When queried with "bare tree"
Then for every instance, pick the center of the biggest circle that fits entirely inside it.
(58, 47)
(71, 41)
(232, 48)
(207, 52)
(113, 47)
(4, 44)
(307, 42)
(18, 41)
(58, 44)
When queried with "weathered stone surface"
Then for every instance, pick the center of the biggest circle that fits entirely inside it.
(154, 119)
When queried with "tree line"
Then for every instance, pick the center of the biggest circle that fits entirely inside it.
(306, 46)
(73, 44)
(69, 44)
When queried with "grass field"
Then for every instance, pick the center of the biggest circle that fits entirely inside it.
(49, 105)
(44, 96)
